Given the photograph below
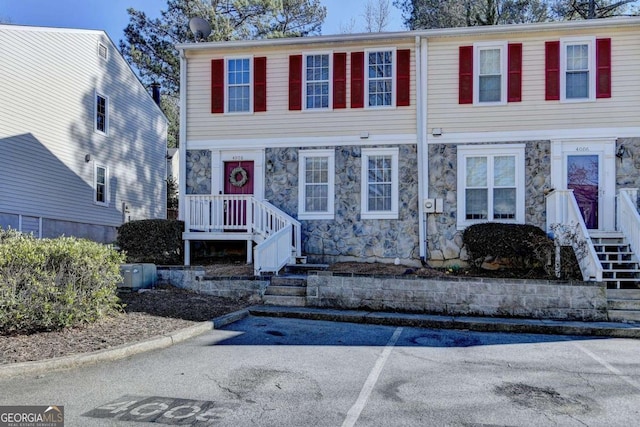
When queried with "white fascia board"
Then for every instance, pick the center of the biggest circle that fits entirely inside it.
(548, 134)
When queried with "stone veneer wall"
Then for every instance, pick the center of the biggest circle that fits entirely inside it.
(628, 167)
(198, 164)
(445, 244)
(194, 279)
(348, 237)
(538, 299)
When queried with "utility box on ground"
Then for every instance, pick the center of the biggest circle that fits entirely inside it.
(138, 276)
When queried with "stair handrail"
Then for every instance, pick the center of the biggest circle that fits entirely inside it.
(268, 219)
(271, 255)
(628, 218)
(566, 224)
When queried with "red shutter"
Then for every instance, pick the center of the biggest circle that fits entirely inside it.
(260, 84)
(295, 82)
(403, 77)
(217, 86)
(465, 75)
(339, 80)
(552, 71)
(514, 81)
(603, 68)
(357, 79)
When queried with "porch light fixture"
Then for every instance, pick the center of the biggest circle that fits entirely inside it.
(87, 158)
(621, 151)
(269, 166)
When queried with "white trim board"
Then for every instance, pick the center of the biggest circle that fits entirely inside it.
(542, 135)
(303, 142)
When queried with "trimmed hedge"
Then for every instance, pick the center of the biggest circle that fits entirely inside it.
(157, 241)
(51, 284)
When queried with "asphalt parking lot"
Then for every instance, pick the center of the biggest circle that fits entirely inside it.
(263, 371)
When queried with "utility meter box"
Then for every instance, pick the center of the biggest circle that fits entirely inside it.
(138, 276)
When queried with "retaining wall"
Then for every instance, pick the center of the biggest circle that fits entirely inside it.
(539, 299)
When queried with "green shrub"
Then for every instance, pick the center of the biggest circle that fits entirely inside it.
(158, 241)
(50, 284)
(523, 245)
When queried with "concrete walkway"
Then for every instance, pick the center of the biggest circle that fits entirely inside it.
(480, 324)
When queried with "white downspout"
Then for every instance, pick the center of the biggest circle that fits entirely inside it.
(182, 149)
(423, 154)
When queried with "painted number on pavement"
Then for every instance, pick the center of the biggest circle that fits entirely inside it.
(163, 410)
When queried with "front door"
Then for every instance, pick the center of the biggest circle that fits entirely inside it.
(587, 166)
(583, 177)
(238, 181)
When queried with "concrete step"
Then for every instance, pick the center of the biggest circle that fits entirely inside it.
(300, 281)
(624, 315)
(623, 304)
(288, 301)
(628, 294)
(304, 268)
(292, 291)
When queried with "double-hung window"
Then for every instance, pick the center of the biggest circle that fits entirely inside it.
(578, 76)
(380, 78)
(101, 123)
(238, 85)
(316, 183)
(490, 184)
(379, 183)
(490, 74)
(101, 184)
(317, 77)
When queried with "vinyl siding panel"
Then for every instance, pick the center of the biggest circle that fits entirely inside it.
(533, 113)
(48, 79)
(278, 120)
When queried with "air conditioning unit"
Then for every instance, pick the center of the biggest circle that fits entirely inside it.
(138, 276)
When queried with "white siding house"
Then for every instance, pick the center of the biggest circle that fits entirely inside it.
(386, 147)
(82, 143)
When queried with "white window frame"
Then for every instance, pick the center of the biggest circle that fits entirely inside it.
(106, 113)
(303, 155)
(97, 166)
(366, 213)
(477, 48)
(493, 150)
(591, 43)
(393, 78)
(227, 98)
(304, 81)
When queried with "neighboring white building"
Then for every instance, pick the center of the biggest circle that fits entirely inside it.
(83, 143)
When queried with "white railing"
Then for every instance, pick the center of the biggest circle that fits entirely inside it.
(565, 221)
(274, 253)
(242, 213)
(628, 218)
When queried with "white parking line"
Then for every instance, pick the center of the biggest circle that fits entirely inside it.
(356, 409)
(607, 365)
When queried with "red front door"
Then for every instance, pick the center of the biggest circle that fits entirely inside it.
(238, 177)
(238, 180)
